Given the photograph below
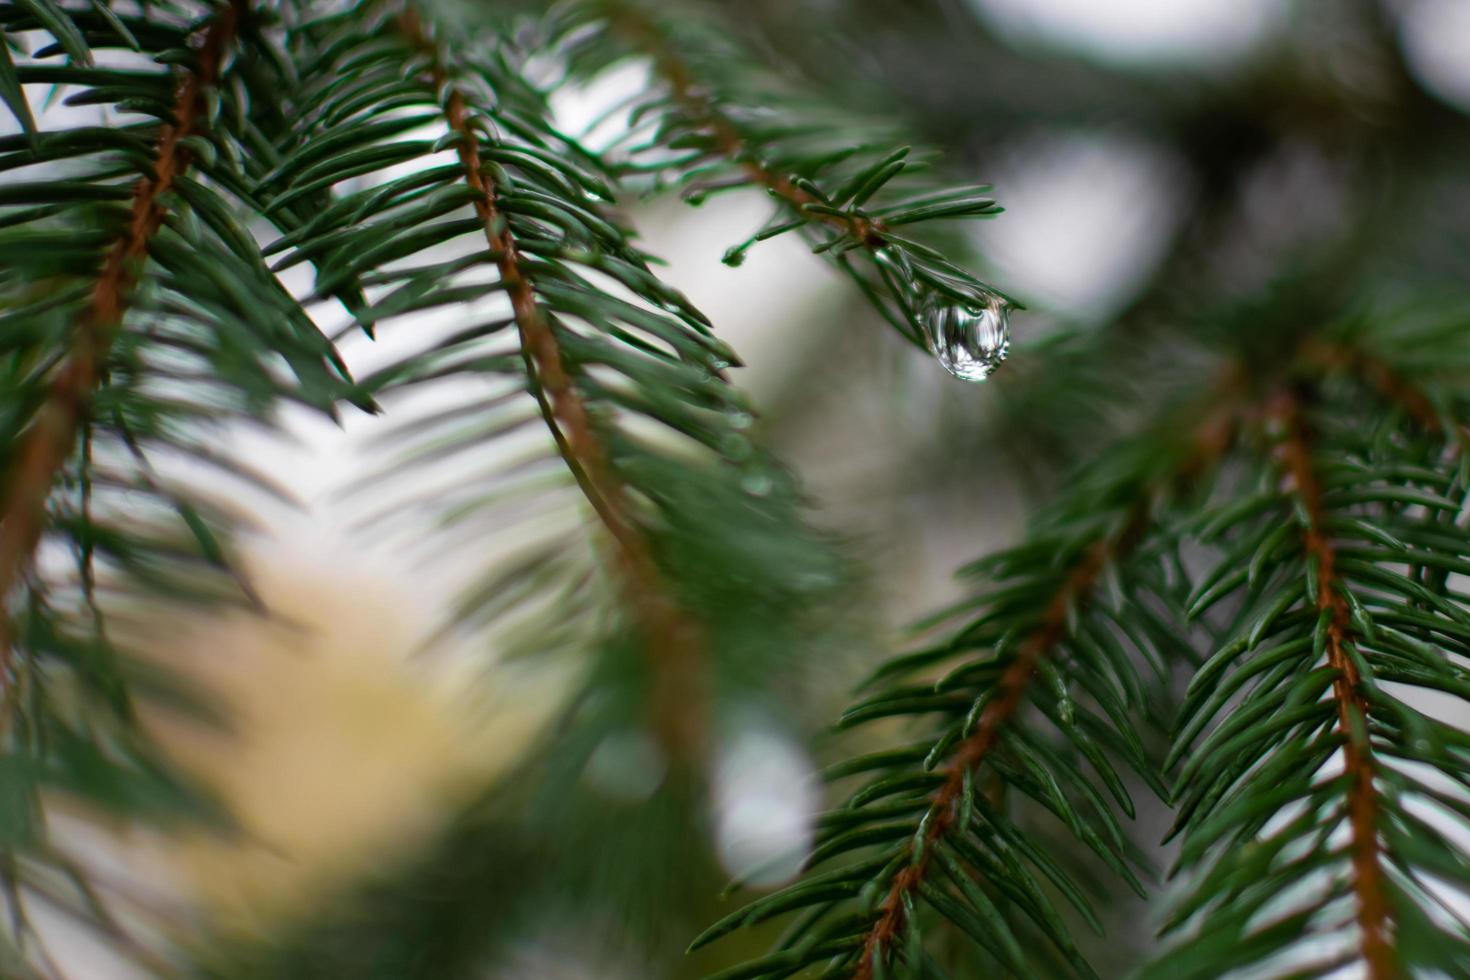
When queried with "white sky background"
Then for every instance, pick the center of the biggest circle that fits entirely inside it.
(1200, 33)
(1088, 216)
(1436, 36)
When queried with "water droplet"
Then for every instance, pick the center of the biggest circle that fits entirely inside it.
(896, 262)
(757, 483)
(741, 419)
(969, 340)
(815, 581)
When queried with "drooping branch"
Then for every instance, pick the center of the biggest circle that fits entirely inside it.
(643, 31)
(670, 637)
(1352, 709)
(47, 444)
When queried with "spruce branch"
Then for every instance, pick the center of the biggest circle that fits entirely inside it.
(138, 317)
(1315, 554)
(1211, 440)
(671, 639)
(51, 439)
(972, 753)
(702, 526)
(713, 124)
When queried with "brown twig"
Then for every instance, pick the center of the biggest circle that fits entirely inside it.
(45, 447)
(973, 751)
(1358, 763)
(1382, 378)
(643, 31)
(1209, 440)
(670, 636)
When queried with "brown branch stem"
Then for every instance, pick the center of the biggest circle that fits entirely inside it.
(671, 638)
(1295, 458)
(1382, 378)
(1013, 684)
(49, 441)
(1209, 440)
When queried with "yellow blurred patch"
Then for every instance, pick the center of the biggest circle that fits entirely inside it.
(345, 752)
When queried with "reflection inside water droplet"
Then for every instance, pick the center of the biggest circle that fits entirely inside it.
(969, 340)
(897, 263)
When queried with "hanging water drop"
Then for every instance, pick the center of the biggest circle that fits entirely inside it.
(970, 340)
(757, 483)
